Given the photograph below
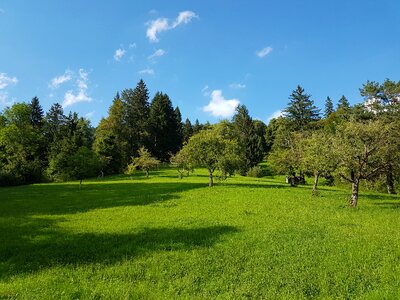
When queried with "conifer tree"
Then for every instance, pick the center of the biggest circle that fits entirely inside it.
(36, 113)
(136, 102)
(328, 107)
(187, 130)
(301, 111)
(343, 104)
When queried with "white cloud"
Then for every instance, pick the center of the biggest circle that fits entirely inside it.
(59, 80)
(6, 81)
(157, 53)
(146, 71)
(264, 52)
(237, 86)
(89, 115)
(132, 45)
(275, 115)
(119, 53)
(163, 24)
(80, 95)
(219, 106)
(4, 101)
(184, 17)
(205, 91)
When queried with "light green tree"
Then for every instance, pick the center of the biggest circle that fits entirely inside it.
(144, 161)
(209, 149)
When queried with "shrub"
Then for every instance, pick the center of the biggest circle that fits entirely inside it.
(255, 171)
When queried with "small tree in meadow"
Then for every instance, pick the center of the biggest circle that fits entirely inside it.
(210, 150)
(144, 161)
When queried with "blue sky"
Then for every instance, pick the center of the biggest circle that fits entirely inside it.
(208, 56)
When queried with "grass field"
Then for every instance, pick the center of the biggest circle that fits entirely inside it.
(162, 237)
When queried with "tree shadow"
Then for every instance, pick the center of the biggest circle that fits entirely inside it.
(39, 244)
(67, 198)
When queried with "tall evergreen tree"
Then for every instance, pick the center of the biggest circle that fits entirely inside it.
(136, 104)
(111, 141)
(163, 127)
(328, 107)
(250, 144)
(197, 127)
(343, 103)
(301, 111)
(179, 127)
(36, 112)
(187, 130)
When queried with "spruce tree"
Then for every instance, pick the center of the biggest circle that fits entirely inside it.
(136, 102)
(187, 130)
(250, 144)
(328, 107)
(36, 113)
(343, 103)
(301, 111)
(162, 127)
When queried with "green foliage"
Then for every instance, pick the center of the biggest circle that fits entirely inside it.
(164, 128)
(144, 162)
(249, 140)
(209, 149)
(328, 107)
(301, 111)
(255, 171)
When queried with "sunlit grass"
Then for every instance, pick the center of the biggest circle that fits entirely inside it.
(162, 237)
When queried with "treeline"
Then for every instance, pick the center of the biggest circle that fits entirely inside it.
(344, 142)
(39, 147)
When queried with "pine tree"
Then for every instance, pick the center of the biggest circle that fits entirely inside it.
(187, 130)
(136, 104)
(250, 144)
(301, 111)
(197, 127)
(328, 107)
(162, 127)
(36, 113)
(179, 128)
(343, 104)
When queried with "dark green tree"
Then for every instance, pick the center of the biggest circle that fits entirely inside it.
(187, 130)
(136, 102)
(36, 113)
(343, 104)
(251, 150)
(301, 111)
(164, 135)
(328, 107)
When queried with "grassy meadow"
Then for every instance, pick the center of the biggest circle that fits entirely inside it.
(130, 237)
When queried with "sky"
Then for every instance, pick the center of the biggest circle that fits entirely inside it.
(208, 56)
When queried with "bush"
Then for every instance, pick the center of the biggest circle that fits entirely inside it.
(255, 171)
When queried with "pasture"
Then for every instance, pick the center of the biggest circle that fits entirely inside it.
(131, 237)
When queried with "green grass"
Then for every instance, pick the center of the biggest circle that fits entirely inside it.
(163, 238)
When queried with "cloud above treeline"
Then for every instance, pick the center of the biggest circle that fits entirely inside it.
(219, 106)
(159, 25)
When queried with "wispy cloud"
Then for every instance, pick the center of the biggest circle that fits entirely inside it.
(4, 99)
(156, 54)
(219, 106)
(159, 25)
(237, 86)
(264, 52)
(146, 71)
(119, 53)
(6, 81)
(205, 91)
(80, 94)
(275, 115)
(59, 80)
(89, 115)
(132, 45)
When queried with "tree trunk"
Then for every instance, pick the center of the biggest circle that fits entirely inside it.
(80, 184)
(211, 182)
(147, 173)
(315, 186)
(354, 193)
(390, 180)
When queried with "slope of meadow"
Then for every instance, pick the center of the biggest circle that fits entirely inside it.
(162, 237)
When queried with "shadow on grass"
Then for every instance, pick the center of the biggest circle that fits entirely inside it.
(68, 198)
(30, 253)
